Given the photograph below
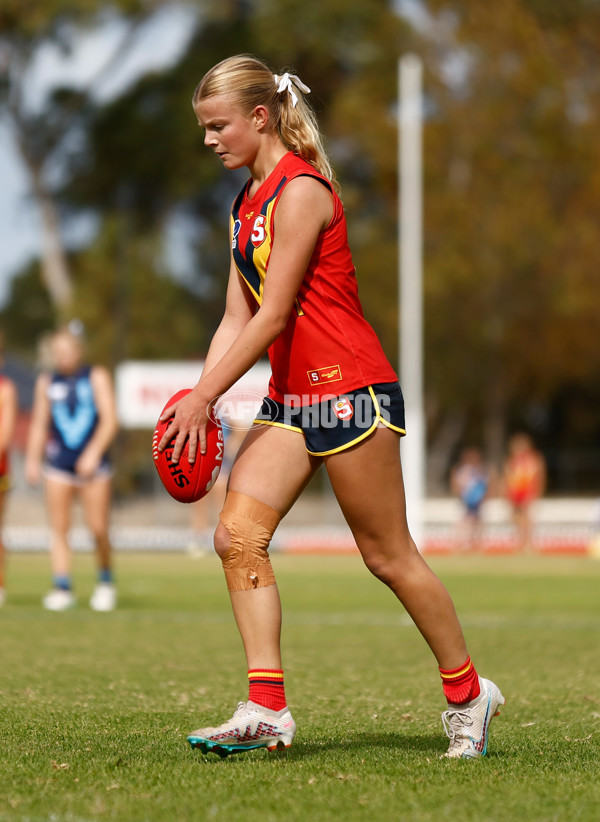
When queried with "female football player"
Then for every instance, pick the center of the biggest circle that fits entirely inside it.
(333, 399)
(525, 481)
(73, 424)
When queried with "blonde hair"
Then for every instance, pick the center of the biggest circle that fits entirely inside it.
(249, 83)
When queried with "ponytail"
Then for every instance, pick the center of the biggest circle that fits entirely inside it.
(250, 83)
(299, 131)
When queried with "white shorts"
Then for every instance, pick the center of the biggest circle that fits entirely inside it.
(71, 478)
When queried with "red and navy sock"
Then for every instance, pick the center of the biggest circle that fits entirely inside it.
(461, 684)
(266, 688)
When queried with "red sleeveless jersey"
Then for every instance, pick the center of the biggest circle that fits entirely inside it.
(327, 346)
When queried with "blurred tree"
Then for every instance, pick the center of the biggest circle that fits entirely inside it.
(143, 168)
(45, 132)
(128, 304)
(512, 185)
(27, 313)
(120, 278)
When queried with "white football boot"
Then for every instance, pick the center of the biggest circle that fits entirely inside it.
(104, 597)
(468, 725)
(251, 726)
(59, 600)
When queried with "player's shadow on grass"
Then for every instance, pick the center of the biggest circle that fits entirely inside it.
(358, 741)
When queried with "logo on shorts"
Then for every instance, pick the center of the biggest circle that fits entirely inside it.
(342, 408)
(332, 373)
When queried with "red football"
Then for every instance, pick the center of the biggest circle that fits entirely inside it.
(185, 482)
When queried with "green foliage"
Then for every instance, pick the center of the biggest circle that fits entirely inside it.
(150, 315)
(129, 306)
(32, 20)
(28, 313)
(511, 196)
(96, 712)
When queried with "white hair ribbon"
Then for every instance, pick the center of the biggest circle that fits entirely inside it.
(284, 83)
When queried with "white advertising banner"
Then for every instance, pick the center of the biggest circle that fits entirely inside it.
(144, 387)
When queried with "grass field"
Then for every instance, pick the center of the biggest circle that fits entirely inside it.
(96, 707)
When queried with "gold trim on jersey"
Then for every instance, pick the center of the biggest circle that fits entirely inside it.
(260, 256)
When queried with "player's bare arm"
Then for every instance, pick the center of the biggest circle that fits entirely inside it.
(106, 430)
(38, 431)
(239, 309)
(8, 417)
(304, 210)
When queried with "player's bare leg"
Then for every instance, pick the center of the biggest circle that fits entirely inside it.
(96, 498)
(367, 481)
(59, 500)
(270, 471)
(524, 527)
(272, 466)
(2, 551)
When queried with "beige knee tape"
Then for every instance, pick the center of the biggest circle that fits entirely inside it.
(251, 524)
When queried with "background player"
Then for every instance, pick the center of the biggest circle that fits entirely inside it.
(73, 424)
(333, 399)
(524, 482)
(8, 419)
(470, 481)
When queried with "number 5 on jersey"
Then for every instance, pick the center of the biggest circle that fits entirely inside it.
(258, 231)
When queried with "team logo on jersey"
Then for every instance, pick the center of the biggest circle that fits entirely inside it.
(258, 231)
(342, 408)
(57, 392)
(333, 373)
(236, 230)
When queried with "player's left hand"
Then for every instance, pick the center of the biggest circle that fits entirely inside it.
(190, 417)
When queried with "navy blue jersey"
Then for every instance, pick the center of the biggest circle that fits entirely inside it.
(73, 418)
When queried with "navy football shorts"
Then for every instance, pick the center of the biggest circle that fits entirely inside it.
(338, 422)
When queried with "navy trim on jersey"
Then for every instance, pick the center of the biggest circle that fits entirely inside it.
(245, 264)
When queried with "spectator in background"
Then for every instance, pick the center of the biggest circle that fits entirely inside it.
(74, 422)
(470, 481)
(524, 483)
(8, 419)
